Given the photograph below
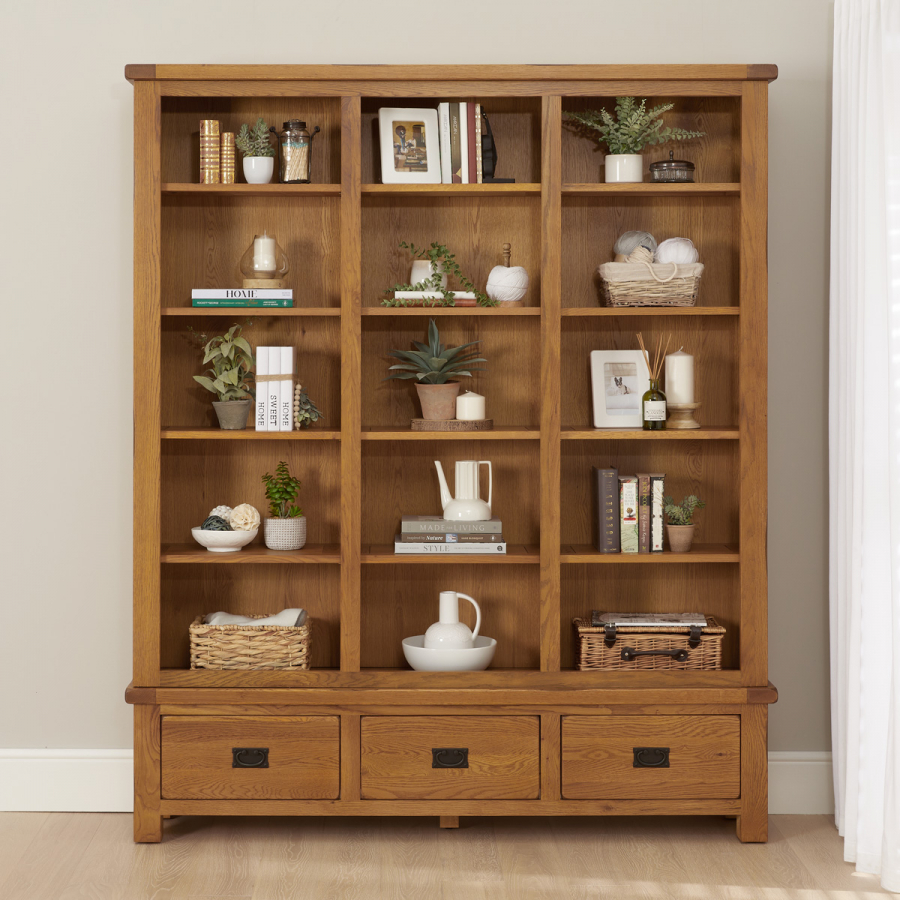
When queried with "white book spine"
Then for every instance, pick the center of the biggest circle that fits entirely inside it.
(459, 549)
(273, 392)
(432, 295)
(262, 388)
(657, 491)
(241, 294)
(479, 171)
(464, 141)
(444, 120)
(285, 398)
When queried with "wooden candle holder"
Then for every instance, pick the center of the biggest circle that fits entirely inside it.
(681, 416)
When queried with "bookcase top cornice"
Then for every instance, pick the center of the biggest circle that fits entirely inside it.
(150, 72)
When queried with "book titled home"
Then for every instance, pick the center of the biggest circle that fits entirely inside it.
(262, 370)
(286, 390)
(237, 297)
(606, 509)
(628, 507)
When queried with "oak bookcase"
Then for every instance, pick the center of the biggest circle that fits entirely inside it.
(354, 734)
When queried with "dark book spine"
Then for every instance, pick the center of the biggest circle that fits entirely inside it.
(643, 513)
(455, 151)
(606, 505)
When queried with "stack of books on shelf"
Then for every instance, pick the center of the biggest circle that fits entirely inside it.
(434, 534)
(628, 511)
(274, 388)
(254, 298)
(461, 129)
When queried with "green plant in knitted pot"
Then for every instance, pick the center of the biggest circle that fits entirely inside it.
(680, 521)
(286, 529)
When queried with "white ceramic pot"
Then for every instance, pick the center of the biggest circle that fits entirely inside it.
(285, 534)
(624, 167)
(471, 659)
(223, 541)
(259, 169)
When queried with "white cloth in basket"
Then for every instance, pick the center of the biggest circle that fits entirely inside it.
(287, 617)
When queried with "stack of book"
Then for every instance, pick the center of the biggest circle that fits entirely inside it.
(628, 511)
(255, 298)
(460, 126)
(434, 534)
(274, 388)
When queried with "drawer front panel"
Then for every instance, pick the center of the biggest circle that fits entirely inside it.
(651, 757)
(250, 757)
(450, 758)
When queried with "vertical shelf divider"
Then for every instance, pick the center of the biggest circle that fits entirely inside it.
(351, 381)
(551, 325)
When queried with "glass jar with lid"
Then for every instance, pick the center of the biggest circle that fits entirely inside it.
(295, 151)
(672, 170)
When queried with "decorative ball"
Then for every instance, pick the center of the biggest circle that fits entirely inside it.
(507, 284)
(677, 250)
(244, 518)
(631, 239)
(224, 512)
(215, 523)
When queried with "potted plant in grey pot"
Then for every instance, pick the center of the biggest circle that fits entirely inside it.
(680, 527)
(633, 128)
(232, 363)
(433, 366)
(286, 529)
(259, 154)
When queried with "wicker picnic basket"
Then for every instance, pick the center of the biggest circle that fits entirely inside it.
(627, 648)
(249, 646)
(650, 284)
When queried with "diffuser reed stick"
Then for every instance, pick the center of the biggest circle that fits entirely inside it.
(653, 405)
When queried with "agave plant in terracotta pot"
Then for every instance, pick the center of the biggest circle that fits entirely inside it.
(680, 525)
(434, 366)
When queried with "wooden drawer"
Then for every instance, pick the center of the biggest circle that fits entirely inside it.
(615, 757)
(202, 758)
(401, 758)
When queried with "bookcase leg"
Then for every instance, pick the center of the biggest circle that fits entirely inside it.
(753, 822)
(147, 818)
(449, 821)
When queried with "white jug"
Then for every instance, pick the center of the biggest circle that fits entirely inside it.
(449, 633)
(467, 506)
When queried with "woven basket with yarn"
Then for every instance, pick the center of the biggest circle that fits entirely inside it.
(640, 282)
(249, 646)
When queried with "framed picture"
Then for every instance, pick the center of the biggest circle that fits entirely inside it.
(619, 379)
(410, 146)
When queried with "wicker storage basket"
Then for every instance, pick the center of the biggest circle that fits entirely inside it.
(650, 284)
(249, 646)
(666, 646)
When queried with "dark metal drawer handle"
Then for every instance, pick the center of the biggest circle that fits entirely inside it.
(449, 757)
(249, 757)
(629, 653)
(651, 757)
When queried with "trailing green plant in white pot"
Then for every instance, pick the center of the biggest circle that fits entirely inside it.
(286, 529)
(680, 524)
(259, 155)
(229, 378)
(633, 128)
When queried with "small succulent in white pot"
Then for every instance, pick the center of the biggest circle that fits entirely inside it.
(259, 154)
(286, 529)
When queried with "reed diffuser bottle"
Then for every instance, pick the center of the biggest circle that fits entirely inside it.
(653, 403)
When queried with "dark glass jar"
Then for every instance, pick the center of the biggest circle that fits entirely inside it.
(653, 408)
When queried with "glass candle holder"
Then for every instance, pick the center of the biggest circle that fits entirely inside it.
(264, 260)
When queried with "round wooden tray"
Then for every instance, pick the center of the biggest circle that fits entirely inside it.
(452, 425)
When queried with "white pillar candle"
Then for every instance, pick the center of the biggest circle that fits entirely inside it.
(264, 254)
(470, 406)
(679, 386)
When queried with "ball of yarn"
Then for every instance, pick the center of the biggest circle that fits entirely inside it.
(507, 285)
(677, 250)
(640, 255)
(631, 239)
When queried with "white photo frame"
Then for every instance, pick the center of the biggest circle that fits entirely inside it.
(410, 146)
(619, 380)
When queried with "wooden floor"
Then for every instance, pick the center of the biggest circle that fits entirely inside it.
(64, 856)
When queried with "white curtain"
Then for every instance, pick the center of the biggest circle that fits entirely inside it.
(864, 434)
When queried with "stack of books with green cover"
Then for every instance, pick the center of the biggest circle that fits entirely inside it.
(434, 534)
(254, 298)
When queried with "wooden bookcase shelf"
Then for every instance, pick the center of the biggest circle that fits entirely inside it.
(362, 467)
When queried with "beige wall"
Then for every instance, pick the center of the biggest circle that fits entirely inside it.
(65, 234)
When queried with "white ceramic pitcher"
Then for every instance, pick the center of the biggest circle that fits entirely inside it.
(467, 506)
(449, 633)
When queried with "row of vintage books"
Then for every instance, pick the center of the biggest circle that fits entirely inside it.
(628, 511)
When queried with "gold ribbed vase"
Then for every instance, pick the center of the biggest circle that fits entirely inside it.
(226, 170)
(209, 151)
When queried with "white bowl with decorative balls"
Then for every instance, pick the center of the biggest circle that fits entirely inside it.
(223, 541)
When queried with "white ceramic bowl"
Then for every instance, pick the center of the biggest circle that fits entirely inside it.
(223, 541)
(426, 659)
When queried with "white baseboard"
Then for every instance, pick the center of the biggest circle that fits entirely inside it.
(101, 781)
